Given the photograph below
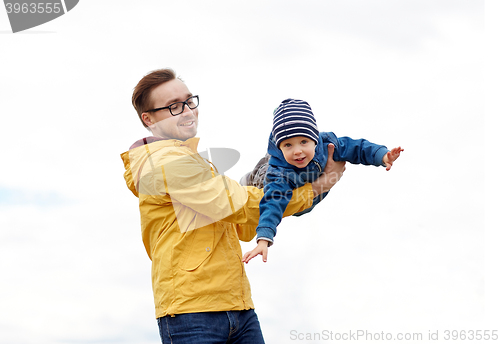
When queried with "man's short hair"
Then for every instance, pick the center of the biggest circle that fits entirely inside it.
(141, 96)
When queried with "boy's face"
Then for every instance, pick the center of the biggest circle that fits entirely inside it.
(298, 151)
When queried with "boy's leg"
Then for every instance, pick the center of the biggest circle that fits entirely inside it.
(257, 176)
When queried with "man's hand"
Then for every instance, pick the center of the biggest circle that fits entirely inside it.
(260, 249)
(391, 156)
(331, 175)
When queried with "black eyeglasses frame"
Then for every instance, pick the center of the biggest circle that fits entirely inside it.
(169, 107)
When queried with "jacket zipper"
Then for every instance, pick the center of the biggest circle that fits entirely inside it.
(318, 165)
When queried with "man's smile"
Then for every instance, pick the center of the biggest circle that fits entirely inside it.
(187, 124)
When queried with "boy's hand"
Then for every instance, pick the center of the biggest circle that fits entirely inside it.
(391, 156)
(260, 249)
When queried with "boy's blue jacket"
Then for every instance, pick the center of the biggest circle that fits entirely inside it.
(282, 177)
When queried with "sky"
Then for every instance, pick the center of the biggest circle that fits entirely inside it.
(412, 250)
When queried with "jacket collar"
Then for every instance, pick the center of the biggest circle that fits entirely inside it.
(191, 143)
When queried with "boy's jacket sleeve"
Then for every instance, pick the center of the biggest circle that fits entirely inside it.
(277, 195)
(359, 151)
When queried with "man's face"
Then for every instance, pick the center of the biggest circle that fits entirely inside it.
(298, 151)
(162, 123)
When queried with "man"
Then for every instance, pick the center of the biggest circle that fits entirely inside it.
(192, 219)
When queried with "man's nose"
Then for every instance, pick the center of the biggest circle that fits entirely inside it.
(187, 111)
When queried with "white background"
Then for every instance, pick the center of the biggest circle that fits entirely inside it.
(410, 250)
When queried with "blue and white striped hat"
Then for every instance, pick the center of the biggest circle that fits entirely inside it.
(294, 118)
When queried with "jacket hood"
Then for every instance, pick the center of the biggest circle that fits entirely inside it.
(138, 154)
(278, 159)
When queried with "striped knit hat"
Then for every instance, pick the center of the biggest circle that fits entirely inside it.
(294, 118)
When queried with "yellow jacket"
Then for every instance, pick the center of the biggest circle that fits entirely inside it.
(192, 219)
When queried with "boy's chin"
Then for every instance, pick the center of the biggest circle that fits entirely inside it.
(298, 165)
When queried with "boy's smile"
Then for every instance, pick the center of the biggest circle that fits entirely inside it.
(298, 151)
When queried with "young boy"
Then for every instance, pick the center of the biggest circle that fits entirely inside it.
(297, 154)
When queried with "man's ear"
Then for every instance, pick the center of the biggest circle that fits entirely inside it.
(146, 118)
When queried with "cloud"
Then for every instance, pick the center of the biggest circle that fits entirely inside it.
(394, 72)
(17, 197)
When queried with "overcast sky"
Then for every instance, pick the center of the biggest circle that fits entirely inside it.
(399, 251)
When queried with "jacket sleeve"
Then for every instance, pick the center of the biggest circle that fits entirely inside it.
(301, 199)
(200, 193)
(277, 196)
(359, 151)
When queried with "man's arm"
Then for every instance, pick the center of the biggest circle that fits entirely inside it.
(194, 188)
(301, 200)
(189, 183)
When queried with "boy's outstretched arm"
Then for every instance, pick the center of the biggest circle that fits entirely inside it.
(260, 249)
(391, 156)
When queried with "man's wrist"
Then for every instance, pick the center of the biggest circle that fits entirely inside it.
(318, 187)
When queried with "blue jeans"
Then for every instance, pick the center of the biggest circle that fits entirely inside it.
(233, 327)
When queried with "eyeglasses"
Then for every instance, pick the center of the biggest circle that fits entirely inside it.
(178, 107)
